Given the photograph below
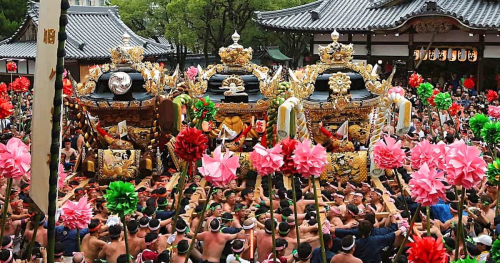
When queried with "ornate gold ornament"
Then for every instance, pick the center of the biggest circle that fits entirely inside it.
(339, 83)
(335, 52)
(234, 84)
(126, 54)
(235, 54)
(235, 58)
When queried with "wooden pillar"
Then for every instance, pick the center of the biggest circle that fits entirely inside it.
(480, 64)
(410, 64)
(368, 47)
(311, 46)
(349, 38)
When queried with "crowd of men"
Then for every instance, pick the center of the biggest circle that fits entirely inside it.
(237, 226)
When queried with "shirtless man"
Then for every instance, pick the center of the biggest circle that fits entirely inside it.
(376, 195)
(302, 203)
(215, 240)
(454, 212)
(41, 234)
(91, 245)
(111, 251)
(284, 230)
(358, 200)
(346, 254)
(180, 234)
(264, 241)
(247, 197)
(248, 227)
(230, 201)
(366, 190)
(339, 197)
(239, 215)
(135, 243)
(11, 227)
(143, 227)
(154, 227)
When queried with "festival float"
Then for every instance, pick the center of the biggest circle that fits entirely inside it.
(126, 108)
(118, 112)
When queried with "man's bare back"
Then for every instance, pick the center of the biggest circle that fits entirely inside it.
(91, 246)
(265, 244)
(111, 251)
(135, 245)
(214, 243)
(345, 258)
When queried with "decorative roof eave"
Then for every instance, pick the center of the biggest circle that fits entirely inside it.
(293, 10)
(404, 24)
(386, 3)
(308, 30)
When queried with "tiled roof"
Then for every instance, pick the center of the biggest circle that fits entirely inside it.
(92, 32)
(364, 15)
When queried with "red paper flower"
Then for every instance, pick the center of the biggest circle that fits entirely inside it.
(310, 161)
(287, 148)
(427, 249)
(21, 84)
(190, 144)
(425, 153)
(491, 96)
(431, 100)
(11, 66)
(5, 108)
(77, 214)
(67, 87)
(454, 108)
(3, 88)
(266, 161)
(415, 80)
(469, 83)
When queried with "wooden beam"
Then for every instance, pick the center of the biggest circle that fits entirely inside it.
(195, 198)
(287, 181)
(70, 195)
(142, 183)
(173, 181)
(389, 206)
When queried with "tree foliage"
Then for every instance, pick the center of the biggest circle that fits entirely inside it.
(12, 13)
(203, 26)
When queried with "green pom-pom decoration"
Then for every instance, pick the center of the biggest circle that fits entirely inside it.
(121, 198)
(491, 132)
(443, 101)
(424, 91)
(205, 109)
(477, 123)
(466, 260)
(495, 250)
(494, 173)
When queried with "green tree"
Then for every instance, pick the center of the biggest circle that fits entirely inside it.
(138, 15)
(12, 13)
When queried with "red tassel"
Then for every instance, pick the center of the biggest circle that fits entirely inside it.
(326, 132)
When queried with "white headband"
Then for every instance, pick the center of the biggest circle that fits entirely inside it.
(341, 196)
(351, 246)
(154, 228)
(181, 230)
(358, 194)
(249, 227)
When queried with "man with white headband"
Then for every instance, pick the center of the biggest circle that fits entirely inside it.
(111, 251)
(214, 240)
(135, 243)
(250, 240)
(346, 254)
(237, 246)
(366, 190)
(339, 198)
(350, 188)
(154, 227)
(376, 196)
(358, 200)
(151, 251)
(264, 240)
(91, 244)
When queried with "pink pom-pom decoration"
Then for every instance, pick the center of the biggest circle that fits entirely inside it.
(266, 161)
(397, 90)
(494, 111)
(62, 176)
(191, 73)
(309, 161)
(15, 159)
(426, 186)
(76, 214)
(219, 169)
(388, 154)
(464, 165)
(425, 153)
